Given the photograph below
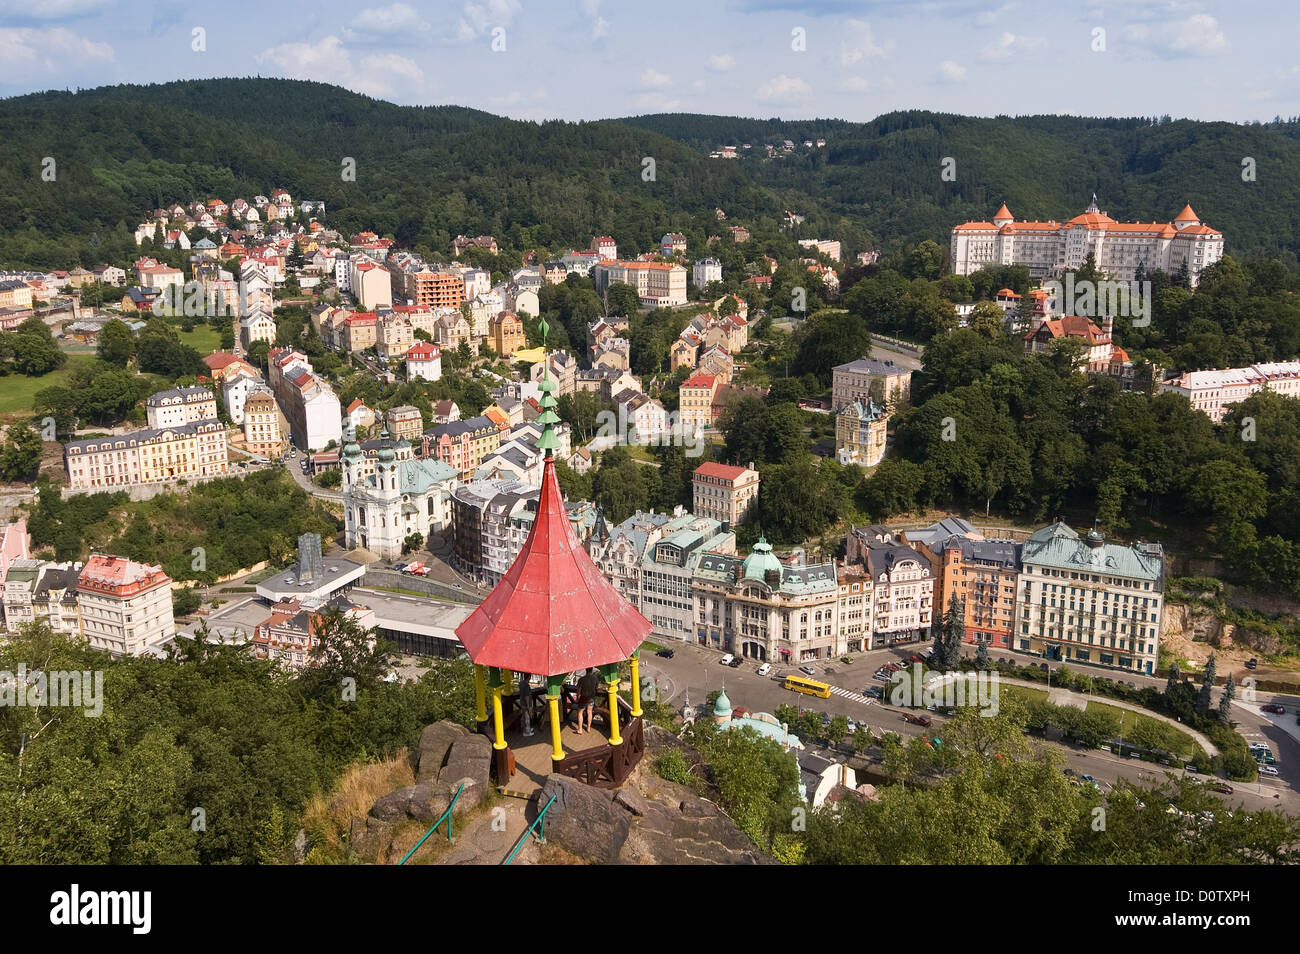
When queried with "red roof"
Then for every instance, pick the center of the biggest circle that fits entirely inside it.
(720, 471)
(1187, 215)
(699, 381)
(424, 351)
(553, 612)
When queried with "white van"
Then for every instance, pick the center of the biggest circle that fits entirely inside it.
(764, 669)
(727, 659)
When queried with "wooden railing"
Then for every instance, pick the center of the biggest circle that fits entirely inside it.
(607, 766)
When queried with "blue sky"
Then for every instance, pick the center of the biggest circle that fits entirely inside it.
(592, 59)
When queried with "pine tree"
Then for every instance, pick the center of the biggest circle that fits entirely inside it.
(952, 633)
(1175, 677)
(982, 660)
(1207, 684)
(1225, 704)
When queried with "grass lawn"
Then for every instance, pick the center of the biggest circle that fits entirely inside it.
(204, 338)
(1181, 743)
(17, 390)
(1024, 694)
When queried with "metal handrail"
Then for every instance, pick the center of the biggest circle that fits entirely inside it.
(446, 816)
(539, 821)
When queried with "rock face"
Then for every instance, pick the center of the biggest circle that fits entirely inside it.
(648, 822)
(448, 756)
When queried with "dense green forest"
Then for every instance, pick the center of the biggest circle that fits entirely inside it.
(205, 758)
(885, 173)
(425, 174)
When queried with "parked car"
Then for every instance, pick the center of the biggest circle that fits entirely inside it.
(764, 669)
(1091, 781)
(726, 660)
(922, 720)
(872, 691)
(399, 567)
(808, 670)
(1222, 789)
(1268, 770)
(735, 663)
(1273, 707)
(1252, 662)
(664, 654)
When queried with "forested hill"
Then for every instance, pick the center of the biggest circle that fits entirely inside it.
(886, 174)
(423, 174)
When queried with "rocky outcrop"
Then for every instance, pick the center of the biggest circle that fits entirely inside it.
(1192, 624)
(448, 756)
(648, 821)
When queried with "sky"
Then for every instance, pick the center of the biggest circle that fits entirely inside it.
(597, 59)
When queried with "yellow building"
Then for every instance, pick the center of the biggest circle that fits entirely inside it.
(506, 333)
(860, 432)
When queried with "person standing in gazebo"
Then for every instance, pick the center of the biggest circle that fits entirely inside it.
(588, 686)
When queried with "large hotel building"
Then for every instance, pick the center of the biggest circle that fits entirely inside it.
(1052, 248)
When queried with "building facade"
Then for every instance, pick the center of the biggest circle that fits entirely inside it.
(126, 607)
(1120, 249)
(724, 493)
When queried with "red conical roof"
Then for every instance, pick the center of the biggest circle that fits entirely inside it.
(1187, 215)
(553, 612)
(1002, 213)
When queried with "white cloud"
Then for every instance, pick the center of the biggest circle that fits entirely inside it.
(657, 102)
(784, 89)
(25, 51)
(653, 79)
(1199, 34)
(329, 61)
(396, 22)
(50, 9)
(855, 84)
(599, 25)
(699, 86)
(860, 44)
(952, 72)
(989, 17)
(1008, 44)
(722, 62)
(484, 16)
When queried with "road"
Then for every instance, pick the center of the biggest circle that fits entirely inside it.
(294, 468)
(694, 672)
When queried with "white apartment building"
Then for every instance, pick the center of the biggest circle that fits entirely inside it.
(178, 406)
(235, 389)
(1052, 248)
(657, 284)
(706, 270)
(1213, 391)
(126, 607)
(902, 595)
(1090, 601)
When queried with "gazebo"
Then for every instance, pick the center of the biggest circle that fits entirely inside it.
(553, 614)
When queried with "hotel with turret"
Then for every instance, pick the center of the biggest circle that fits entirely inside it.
(1052, 248)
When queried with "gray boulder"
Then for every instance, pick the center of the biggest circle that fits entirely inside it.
(584, 820)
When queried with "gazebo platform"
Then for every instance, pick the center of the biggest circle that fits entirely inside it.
(588, 755)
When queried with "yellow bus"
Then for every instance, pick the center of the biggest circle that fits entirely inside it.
(810, 686)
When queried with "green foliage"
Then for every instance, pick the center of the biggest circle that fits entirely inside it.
(237, 521)
(20, 453)
(211, 729)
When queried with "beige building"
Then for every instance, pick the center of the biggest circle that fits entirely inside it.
(405, 423)
(262, 433)
(167, 454)
(852, 382)
(860, 433)
(695, 401)
(724, 493)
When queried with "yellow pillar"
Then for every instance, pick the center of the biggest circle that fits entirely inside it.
(480, 694)
(499, 721)
(611, 684)
(553, 688)
(497, 717)
(635, 660)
